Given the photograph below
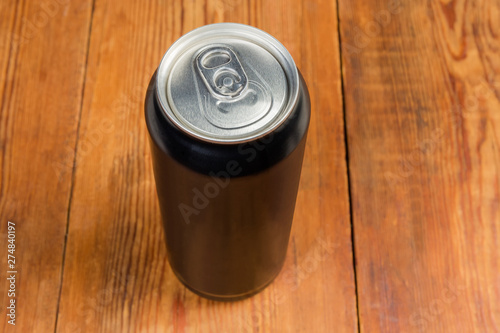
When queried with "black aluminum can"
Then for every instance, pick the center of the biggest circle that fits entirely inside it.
(227, 112)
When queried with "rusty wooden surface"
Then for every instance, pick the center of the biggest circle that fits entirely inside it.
(402, 158)
(42, 66)
(422, 89)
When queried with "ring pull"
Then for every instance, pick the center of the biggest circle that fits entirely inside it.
(222, 72)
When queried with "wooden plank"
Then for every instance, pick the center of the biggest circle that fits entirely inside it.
(422, 91)
(42, 61)
(116, 276)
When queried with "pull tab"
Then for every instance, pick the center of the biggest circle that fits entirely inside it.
(222, 72)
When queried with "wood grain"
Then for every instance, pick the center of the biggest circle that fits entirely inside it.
(116, 275)
(421, 86)
(42, 61)
(422, 91)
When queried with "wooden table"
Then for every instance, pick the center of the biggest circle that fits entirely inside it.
(397, 225)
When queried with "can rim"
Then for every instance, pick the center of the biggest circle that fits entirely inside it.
(255, 35)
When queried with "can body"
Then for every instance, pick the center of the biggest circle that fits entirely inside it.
(227, 207)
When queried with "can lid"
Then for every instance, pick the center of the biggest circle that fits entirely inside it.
(227, 83)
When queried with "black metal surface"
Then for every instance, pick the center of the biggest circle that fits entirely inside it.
(227, 208)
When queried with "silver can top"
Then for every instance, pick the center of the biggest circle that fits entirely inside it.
(227, 83)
